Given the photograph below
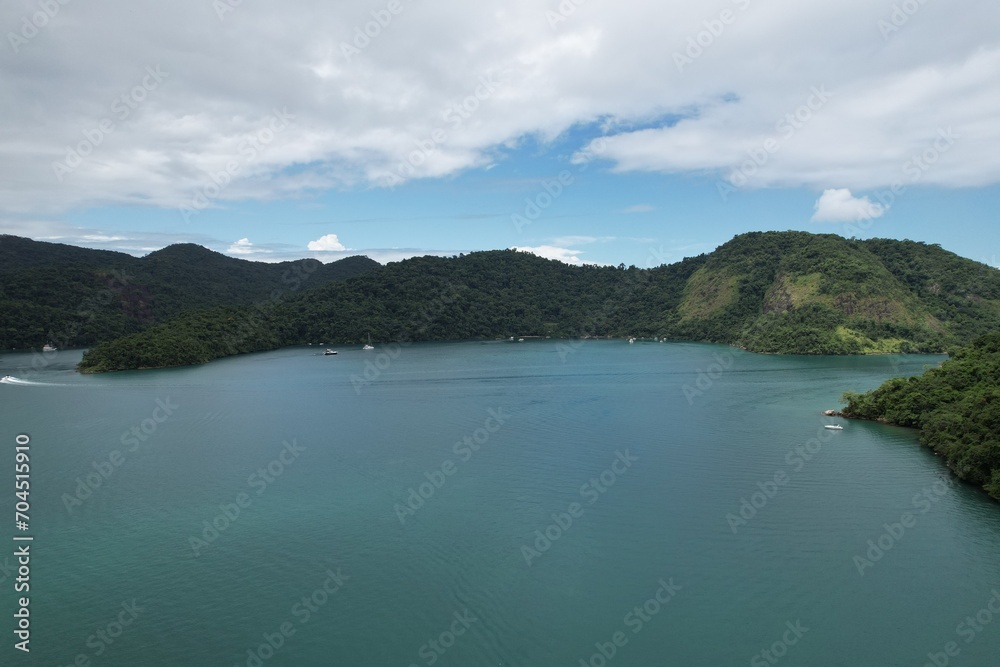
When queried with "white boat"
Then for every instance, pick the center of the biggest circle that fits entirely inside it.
(834, 427)
(369, 346)
(329, 352)
(7, 378)
(631, 341)
(49, 348)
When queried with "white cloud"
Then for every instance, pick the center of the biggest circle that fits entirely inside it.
(565, 255)
(842, 206)
(243, 247)
(639, 208)
(488, 76)
(327, 243)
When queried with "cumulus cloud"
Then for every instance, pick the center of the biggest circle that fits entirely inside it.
(566, 255)
(173, 106)
(327, 243)
(841, 206)
(243, 247)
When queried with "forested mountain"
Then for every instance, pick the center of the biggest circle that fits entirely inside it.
(822, 294)
(787, 292)
(956, 407)
(73, 296)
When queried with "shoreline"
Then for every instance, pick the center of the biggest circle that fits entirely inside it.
(653, 339)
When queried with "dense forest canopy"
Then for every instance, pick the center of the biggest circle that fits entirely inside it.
(775, 292)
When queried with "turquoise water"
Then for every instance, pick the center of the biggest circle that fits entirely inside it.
(637, 479)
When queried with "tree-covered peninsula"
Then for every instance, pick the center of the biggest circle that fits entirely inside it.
(956, 407)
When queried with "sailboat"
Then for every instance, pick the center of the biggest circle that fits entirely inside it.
(369, 346)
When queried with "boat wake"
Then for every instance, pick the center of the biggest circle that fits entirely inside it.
(10, 379)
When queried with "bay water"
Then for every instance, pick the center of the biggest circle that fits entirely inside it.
(488, 503)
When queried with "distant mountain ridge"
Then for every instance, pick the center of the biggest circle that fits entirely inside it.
(72, 296)
(773, 292)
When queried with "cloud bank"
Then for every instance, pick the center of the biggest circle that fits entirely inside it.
(187, 106)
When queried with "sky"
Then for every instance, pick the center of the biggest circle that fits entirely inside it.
(636, 132)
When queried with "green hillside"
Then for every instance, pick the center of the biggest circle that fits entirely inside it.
(801, 293)
(782, 292)
(479, 295)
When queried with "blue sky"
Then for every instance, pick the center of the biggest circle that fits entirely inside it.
(267, 133)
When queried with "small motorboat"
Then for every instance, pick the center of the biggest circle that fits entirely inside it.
(329, 352)
(49, 348)
(834, 427)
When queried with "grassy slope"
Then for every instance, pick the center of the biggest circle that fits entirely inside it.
(822, 294)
